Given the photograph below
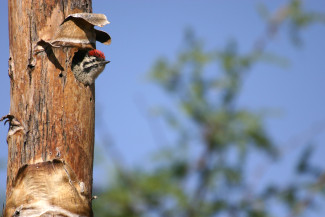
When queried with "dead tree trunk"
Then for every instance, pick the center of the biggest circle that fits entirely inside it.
(51, 133)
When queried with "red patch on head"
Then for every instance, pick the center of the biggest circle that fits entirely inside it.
(96, 53)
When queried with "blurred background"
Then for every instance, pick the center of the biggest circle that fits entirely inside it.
(208, 108)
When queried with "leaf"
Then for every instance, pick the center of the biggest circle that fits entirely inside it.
(303, 162)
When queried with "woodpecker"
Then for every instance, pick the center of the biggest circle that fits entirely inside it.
(87, 65)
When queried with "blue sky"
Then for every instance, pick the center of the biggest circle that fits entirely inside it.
(142, 31)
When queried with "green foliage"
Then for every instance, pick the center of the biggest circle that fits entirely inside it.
(294, 15)
(205, 172)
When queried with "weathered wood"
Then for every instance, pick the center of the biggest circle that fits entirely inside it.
(56, 113)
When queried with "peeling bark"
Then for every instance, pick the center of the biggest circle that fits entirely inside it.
(46, 188)
(50, 150)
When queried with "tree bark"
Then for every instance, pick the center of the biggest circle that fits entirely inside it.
(51, 133)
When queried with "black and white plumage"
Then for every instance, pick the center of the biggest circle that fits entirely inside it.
(87, 65)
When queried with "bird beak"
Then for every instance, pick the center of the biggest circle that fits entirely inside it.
(105, 62)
